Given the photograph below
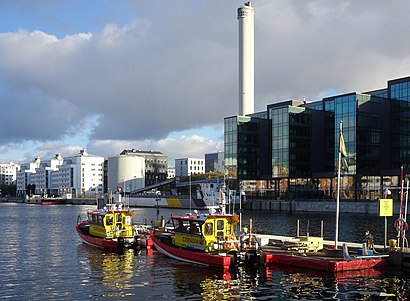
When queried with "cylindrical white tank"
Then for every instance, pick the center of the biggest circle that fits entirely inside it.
(246, 59)
(127, 172)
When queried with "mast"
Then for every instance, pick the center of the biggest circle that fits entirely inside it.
(342, 151)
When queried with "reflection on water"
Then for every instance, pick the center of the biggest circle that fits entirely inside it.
(42, 258)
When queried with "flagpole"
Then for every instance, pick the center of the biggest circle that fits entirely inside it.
(338, 189)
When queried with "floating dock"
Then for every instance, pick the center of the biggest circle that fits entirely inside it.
(312, 253)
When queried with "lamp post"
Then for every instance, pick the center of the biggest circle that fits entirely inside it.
(158, 199)
(387, 193)
(190, 197)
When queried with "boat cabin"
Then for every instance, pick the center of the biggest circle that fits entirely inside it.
(207, 233)
(110, 224)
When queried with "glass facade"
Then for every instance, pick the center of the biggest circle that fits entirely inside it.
(400, 122)
(291, 141)
(241, 147)
(302, 143)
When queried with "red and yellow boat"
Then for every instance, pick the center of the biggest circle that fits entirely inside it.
(111, 228)
(108, 228)
(206, 239)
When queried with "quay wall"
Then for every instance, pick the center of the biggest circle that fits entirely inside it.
(364, 207)
(73, 201)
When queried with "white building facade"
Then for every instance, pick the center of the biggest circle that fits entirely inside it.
(170, 172)
(8, 173)
(188, 166)
(80, 175)
(127, 172)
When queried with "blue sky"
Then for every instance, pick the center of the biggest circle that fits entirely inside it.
(162, 75)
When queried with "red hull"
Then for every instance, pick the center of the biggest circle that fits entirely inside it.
(96, 241)
(326, 265)
(190, 256)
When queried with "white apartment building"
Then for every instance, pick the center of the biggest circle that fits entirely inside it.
(43, 174)
(79, 176)
(127, 172)
(189, 166)
(82, 175)
(26, 176)
(8, 173)
(170, 172)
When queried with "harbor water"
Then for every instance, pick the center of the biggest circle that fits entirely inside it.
(42, 258)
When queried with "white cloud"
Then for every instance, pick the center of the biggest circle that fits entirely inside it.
(173, 68)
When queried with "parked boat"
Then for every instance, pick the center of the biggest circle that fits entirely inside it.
(111, 228)
(207, 239)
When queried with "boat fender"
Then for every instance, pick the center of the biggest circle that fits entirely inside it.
(230, 242)
(400, 224)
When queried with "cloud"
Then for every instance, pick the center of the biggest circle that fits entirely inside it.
(172, 67)
(183, 146)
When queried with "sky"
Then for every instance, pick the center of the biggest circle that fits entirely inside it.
(109, 75)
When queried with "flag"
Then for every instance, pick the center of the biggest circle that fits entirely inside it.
(343, 152)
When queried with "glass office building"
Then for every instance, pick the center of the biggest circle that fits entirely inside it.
(298, 142)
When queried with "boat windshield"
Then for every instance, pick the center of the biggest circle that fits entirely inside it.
(187, 226)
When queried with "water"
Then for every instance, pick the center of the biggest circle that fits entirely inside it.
(42, 258)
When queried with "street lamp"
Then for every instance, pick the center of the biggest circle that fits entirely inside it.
(158, 198)
(242, 193)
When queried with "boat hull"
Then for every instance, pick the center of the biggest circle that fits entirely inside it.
(333, 265)
(97, 242)
(201, 258)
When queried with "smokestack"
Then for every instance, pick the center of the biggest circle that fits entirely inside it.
(246, 59)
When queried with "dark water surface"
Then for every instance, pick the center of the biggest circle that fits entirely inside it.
(42, 258)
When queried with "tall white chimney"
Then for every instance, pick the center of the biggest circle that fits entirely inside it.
(246, 59)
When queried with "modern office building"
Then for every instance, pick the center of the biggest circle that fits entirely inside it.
(189, 166)
(214, 162)
(291, 150)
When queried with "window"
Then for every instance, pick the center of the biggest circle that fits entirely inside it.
(209, 228)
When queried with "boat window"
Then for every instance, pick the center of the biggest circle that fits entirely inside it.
(119, 218)
(109, 220)
(209, 228)
(99, 220)
(185, 227)
(195, 228)
(128, 220)
(177, 225)
(220, 228)
(220, 225)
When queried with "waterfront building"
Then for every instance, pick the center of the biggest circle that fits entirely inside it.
(156, 164)
(188, 166)
(42, 178)
(298, 143)
(170, 172)
(127, 172)
(8, 173)
(24, 176)
(80, 175)
(214, 162)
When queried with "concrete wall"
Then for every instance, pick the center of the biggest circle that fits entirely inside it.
(369, 207)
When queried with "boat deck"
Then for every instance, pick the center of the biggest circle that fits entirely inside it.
(292, 251)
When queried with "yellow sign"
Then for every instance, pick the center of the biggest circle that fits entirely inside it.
(386, 207)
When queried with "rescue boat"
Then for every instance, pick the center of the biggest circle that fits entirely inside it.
(207, 239)
(111, 228)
